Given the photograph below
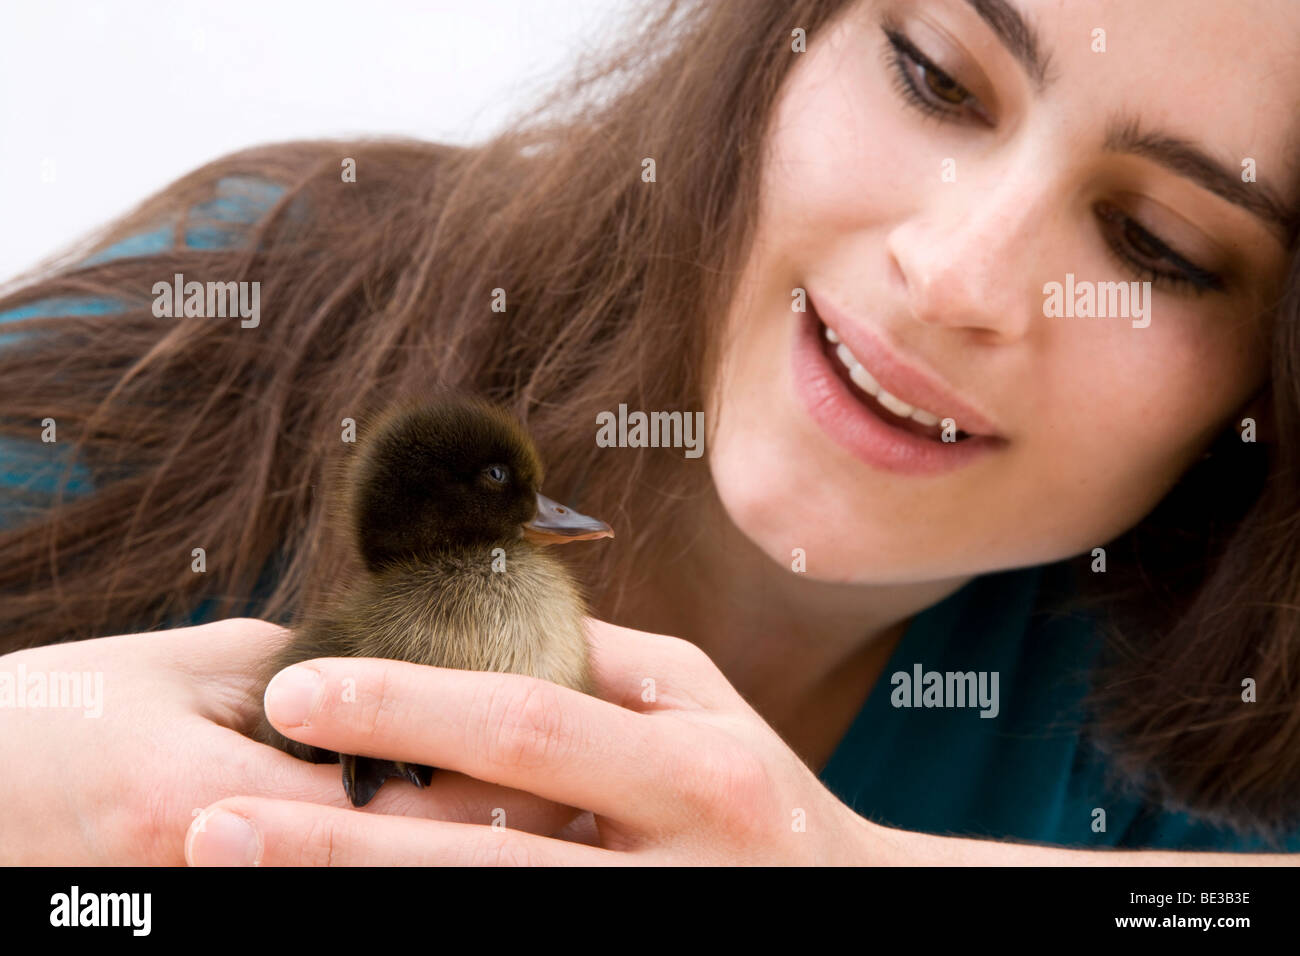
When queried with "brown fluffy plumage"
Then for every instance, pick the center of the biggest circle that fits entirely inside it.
(447, 519)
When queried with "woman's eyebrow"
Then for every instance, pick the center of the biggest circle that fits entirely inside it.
(1186, 159)
(1018, 35)
(1124, 135)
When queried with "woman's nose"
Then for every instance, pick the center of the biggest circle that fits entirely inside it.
(972, 257)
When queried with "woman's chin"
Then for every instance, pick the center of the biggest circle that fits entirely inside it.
(802, 530)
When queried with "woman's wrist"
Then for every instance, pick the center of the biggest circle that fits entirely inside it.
(887, 846)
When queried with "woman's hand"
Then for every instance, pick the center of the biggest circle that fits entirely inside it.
(118, 779)
(672, 765)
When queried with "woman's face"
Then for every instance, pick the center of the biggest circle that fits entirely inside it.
(925, 232)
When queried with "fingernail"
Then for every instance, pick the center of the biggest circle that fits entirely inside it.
(222, 838)
(291, 696)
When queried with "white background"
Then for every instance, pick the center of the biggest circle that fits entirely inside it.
(116, 99)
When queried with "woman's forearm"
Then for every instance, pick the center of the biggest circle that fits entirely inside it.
(904, 848)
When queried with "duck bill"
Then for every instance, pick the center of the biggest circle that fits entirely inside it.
(556, 524)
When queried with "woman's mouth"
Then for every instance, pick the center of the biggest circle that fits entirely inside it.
(889, 408)
(841, 393)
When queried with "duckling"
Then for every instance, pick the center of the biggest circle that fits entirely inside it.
(445, 512)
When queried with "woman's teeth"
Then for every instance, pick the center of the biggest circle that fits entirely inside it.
(864, 380)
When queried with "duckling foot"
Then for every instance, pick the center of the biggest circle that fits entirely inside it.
(363, 776)
(417, 773)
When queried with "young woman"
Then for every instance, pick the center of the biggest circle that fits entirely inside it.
(834, 228)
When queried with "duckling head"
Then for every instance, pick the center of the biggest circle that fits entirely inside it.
(457, 473)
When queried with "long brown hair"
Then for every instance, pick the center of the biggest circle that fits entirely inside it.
(201, 433)
(1197, 696)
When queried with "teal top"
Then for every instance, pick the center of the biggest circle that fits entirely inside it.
(1025, 772)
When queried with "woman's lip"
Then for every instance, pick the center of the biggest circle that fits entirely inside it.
(857, 429)
(898, 377)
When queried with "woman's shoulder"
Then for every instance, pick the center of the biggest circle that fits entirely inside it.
(221, 222)
(32, 469)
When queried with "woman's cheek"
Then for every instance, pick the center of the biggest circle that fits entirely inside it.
(839, 150)
(1107, 462)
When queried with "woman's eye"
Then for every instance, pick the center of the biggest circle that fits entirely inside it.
(922, 84)
(1142, 252)
(926, 87)
(497, 473)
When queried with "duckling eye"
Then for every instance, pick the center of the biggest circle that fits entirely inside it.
(497, 473)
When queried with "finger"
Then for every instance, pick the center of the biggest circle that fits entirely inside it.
(517, 731)
(233, 647)
(643, 671)
(253, 831)
(226, 663)
(268, 772)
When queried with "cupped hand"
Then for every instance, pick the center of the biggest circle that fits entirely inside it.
(117, 776)
(669, 764)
